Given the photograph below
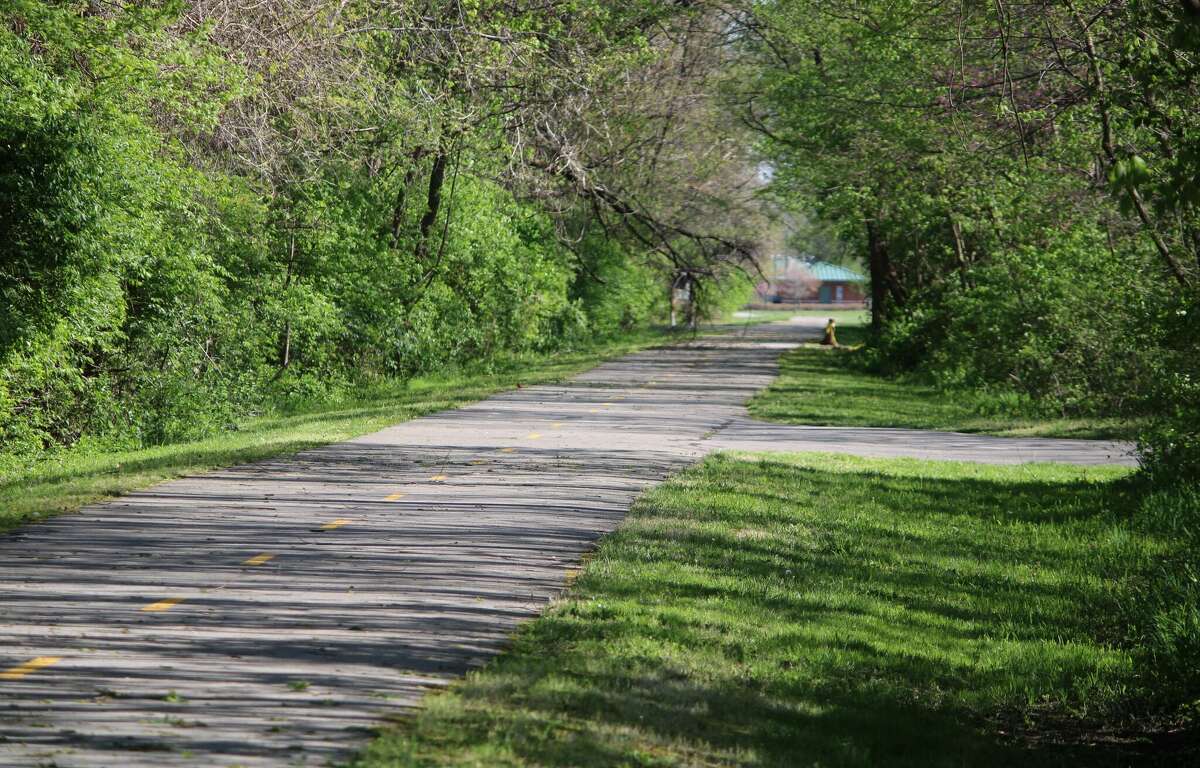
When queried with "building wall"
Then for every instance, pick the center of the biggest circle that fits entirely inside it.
(791, 281)
(836, 292)
(788, 291)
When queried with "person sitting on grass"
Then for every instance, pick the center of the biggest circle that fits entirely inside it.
(830, 339)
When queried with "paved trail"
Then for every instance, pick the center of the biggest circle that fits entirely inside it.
(271, 614)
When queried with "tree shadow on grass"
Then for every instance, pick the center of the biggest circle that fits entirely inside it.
(914, 630)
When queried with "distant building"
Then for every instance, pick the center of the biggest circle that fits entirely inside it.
(793, 280)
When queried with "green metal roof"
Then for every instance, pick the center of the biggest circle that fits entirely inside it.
(826, 272)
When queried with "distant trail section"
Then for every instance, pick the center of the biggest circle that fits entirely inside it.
(882, 442)
(272, 614)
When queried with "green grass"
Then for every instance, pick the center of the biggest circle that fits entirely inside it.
(824, 387)
(814, 610)
(848, 316)
(69, 479)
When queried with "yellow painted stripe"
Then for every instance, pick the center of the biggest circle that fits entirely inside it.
(163, 605)
(33, 665)
(439, 478)
(533, 436)
(556, 425)
(258, 559)
(507, 450)
(393, 497)
(606, 405)
(335, 524)
(593, 410)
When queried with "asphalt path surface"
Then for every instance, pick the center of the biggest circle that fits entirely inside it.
(273, 614)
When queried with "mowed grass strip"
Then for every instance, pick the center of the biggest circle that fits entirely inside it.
(813, 610)
(820, 386)
(852, 317)
(68, 479)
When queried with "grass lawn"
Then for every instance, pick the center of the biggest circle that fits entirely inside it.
(821, 387)
(812, 610)
(69, 479)
(847, 316)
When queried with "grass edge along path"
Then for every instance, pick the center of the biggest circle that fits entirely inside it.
(820, 610)
(820, 386)
(67, 480)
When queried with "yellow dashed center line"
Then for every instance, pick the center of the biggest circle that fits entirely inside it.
(393, 497)
(507, 450)
(593, 410)
(33, 665)
(163, 605)
(439, 478)
(335, 524)
(607, 405)
(258, 559)
(533, 436)
(556, 425)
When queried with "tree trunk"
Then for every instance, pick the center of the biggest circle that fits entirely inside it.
(433, 203)
(960, 251)
(877, 261)
(671, 301)
(285, 354)
(398, 208)
(693, 317)
(285, 339)
(1194, 236)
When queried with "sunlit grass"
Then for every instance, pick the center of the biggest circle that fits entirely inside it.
(823, 387)
(818, 611)
(847, 316)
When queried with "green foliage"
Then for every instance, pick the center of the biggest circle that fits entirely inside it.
(1171, 447)
(1024, 190)
(154, 292)
(1064, 319)
(1158, 593)
(611, 293)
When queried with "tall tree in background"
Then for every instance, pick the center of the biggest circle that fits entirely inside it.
(226, 202)
(1020, 178)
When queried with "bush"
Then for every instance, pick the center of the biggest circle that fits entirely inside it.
(1158, 599)
(147, 296)
(1063, 324)
(1170, 448)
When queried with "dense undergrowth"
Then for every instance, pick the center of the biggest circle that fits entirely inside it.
(1024, 192)
(214, 210)
(172, 303)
